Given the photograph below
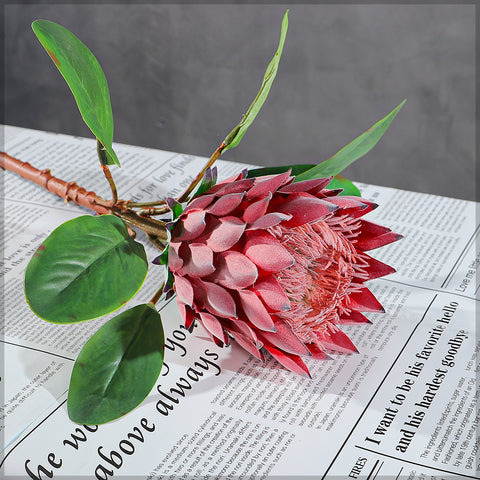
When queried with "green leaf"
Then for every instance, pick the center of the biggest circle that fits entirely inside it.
(339, 181)
(234, 137)
(208, 181)
(87, 267)
(353, 151)
(117, 367)
(85, 78)
(177, 210)
(162, 259)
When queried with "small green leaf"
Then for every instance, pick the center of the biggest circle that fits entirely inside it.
(86, 268)
(162, 259)
(84, 76)
(117, 367)
(353, 151)
(234, 137)
(339, 181)
(208, 181)
(177, 210)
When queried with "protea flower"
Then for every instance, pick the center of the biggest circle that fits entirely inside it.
(277, 265)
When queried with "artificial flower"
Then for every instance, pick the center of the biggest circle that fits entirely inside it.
(277, 265)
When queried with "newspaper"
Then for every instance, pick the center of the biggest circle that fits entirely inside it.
(404, 407)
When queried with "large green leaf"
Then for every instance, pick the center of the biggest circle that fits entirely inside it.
(117, 367)
(85, 78)
(353, 151)
(87, 267)
(234, 137)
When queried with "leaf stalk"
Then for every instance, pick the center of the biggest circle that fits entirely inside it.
(158, 295)
(102, 156)
(215, 155)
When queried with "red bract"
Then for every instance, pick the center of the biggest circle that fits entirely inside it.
(276, 265)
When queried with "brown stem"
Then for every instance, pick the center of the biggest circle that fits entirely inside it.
(147, 212)
(113, 187)
(198, 178)
(69, 191)
(148, 225)
(102, 156)
(146, 204)
(157, 295)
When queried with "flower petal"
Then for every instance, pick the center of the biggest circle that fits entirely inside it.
(272, 184)
(330, 193)
(256, 209)
(304, 208)
(306, 185)
(374, 236)
(272, 294)
(376, 268)
(316, 352)
(240, 326)
(200, 261)
(352, 318)
(291, 362)
(225, 233)
(284, 339)
(237, 186)
(337, 340)
(269, 220)
(189, 226)
(370, 229)
(175, 262)
(371, 243)
(353, 206)
(225, 204)
(364, 301)
(213, 326)
(200, 203)
(248, 345)
(184, 290)
(214, 298)
(255, 311)
(266, 251)
(234, 270)
(188, 316)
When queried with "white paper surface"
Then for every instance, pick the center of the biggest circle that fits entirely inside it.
(403, 407)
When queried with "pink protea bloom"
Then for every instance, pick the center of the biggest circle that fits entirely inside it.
(277, 265)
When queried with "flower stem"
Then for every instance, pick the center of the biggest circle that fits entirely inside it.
(157, 295)
(148, 225)
(69, 191)
(106, 171)
(211, 161)
(145, 204)
(153, 211)
(113, 187)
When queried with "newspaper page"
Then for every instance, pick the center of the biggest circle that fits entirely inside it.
(404, 407)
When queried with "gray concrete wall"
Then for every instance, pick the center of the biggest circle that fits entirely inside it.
(180, 77)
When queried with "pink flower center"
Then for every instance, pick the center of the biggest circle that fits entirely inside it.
(320, 281)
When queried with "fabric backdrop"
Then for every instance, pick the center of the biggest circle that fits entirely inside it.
(181, 75)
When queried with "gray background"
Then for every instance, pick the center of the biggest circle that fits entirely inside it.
(180, 77)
